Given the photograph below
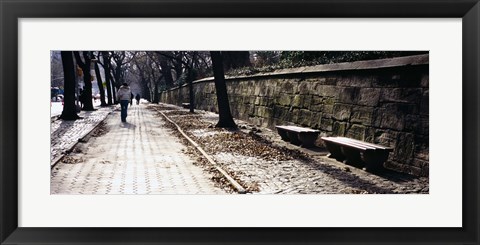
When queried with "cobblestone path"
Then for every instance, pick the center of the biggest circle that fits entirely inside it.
(138, 157)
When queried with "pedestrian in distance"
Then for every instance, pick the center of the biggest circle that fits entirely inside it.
(81, 98)
(124, 96)
(138, 98)
(131, 98)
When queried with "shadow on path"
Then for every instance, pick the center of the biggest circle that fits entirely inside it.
(127, 125)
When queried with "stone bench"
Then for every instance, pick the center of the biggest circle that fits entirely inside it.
(305, 137)
(357, 153)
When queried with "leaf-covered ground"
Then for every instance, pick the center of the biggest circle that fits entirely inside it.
(262, 163)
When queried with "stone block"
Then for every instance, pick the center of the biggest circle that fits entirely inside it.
(401, 95)
(363, 115)
(316, 120)
(316, 81)
(249, 110)
(297, 101)
(288, 86)
(329, 101)
(304, 88)
(339, 128)
(355, 81)
(356, 131)
(421, 147)
(368, 96)
(265, 101)
(327, 110)
(316, 100)
(327, 91)
(284, 100)
(369, 135)
(278, 111)
(268, 112)
(424, 103)
(386, 137)
(271, 90)
(294, 115)
(391, 117)
(251, 99)
(331, 80)
(307, 101)
(305, 118)
(260, 111)
(326, 124)
(316, 108)
(405, 145)
(348, 95)
(341, 112)
(392, 121)
(322, 80)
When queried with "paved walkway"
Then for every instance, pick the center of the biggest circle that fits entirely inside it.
(138, 157)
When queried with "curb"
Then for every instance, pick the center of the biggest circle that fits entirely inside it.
(56, 160)
(230, 179)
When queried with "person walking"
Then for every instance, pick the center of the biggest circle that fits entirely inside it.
(137, 98)
(123, 95)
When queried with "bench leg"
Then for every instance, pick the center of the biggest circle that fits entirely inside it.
(353, 157)
(374, 160)
(308, 139)
(283, 134)
(335, 151)
(293, 136)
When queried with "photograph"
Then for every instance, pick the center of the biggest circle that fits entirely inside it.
(270, 122)
(239, 122)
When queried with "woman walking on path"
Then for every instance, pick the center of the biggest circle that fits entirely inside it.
(124, 96)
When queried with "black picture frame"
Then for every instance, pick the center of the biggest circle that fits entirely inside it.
(11, 11)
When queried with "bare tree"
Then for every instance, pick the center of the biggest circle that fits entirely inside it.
(85, 66)
(100, 82)
(69, 108)
(108, 80)
(225, 119)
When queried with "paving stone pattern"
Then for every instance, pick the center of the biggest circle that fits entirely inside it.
(64, 134)
(138, 157)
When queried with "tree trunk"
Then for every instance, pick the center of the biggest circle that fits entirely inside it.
(225, 119)
(69, 108)
(106, 68)
(190, 84)
(166, 71)
(114, 89)
(146, 90)
(100, 85)
(87, 79)
(155, 93)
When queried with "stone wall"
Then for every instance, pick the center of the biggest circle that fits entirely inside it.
(380, 101)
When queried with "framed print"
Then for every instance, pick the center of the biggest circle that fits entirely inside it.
(419, 59)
